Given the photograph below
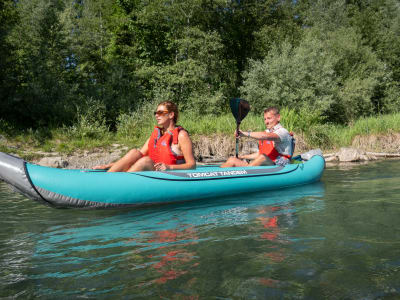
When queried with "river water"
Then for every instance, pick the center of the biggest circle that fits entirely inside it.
(337, 239)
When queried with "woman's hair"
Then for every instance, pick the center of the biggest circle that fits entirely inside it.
(171, 107)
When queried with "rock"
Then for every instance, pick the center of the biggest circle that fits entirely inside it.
(48, 154)
(55, 162)
(331, 158)
(351, 155)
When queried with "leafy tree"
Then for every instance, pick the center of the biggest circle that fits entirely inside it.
(373, 30)
(40, 64)
(99, 72)
(249, 28)
(334, 74)
(8, 19)
(340, 58)
(300, 77)
(284, 24)
(198, 79)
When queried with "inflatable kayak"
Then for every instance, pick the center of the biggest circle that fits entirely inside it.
(85, 188)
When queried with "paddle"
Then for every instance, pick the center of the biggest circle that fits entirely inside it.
(239, 108)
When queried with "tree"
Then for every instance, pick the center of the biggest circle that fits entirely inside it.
(40, 64)
(301, 77)
(198, 79)
(332, 73)
(8, 19)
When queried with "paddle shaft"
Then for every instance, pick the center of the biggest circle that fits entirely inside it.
(240, 108)
(237, 139)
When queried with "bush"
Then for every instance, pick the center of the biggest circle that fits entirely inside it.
(332, 73)
(294, 77)
(134, 128)
(90, 122)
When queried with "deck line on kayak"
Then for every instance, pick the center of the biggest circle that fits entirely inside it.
(216, 178)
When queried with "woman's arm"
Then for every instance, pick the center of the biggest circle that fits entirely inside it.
(145, 149)
(186, 146)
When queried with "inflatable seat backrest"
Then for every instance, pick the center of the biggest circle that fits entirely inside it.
(293, 143)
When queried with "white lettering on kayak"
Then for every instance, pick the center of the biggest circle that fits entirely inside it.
(218, 173)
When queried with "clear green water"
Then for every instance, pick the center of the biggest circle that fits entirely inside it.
(339, 239)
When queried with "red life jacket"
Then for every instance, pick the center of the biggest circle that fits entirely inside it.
(160, 147)
(267, 148)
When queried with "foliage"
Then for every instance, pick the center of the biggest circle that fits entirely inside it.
(40, 92)
(338, 59)
(300, 120)
(91, 123)
(8, 19)
(366, 126)
(196, 78)
(134, 128)
(334, 74)
(300, 77)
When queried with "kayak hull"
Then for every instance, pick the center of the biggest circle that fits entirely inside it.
(98, 189)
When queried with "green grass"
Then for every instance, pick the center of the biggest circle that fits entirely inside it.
(383, 124)
(133, 130)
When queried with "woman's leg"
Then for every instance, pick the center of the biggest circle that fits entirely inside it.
(124, 163)
(143, 164)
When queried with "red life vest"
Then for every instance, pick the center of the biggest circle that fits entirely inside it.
(267, 148)
(160, 147)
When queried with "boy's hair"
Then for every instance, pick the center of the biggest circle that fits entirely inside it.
(272, 109)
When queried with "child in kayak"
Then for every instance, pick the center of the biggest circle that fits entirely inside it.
(275, 144)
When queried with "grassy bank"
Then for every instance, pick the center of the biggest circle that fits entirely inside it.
(91, 132)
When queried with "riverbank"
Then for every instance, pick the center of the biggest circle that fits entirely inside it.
(86, 144)
(210, 149)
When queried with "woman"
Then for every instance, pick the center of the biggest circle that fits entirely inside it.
(168, 148)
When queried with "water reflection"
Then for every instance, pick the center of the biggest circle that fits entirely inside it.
(153, 228)
(152, 246)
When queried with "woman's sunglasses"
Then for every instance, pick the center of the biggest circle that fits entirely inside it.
(161, 112)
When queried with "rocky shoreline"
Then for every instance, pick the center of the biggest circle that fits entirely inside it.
(217, 148)
(89, 159)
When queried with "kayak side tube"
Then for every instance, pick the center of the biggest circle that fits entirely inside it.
(13, 171)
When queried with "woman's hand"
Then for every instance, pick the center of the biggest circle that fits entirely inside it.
(161, 167)
(102, 167)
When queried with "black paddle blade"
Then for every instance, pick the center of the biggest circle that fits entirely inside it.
(240, 108)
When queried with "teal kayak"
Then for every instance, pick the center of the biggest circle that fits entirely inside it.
(85, 188)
